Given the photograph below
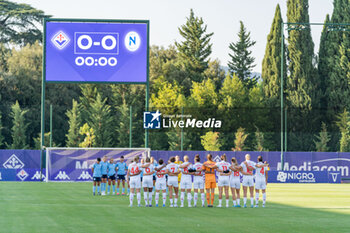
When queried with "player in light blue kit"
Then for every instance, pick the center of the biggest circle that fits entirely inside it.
(104, 169)
(122, 168)
(96, 174)
(111, 175)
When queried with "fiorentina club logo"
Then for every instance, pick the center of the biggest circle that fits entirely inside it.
(22, 175)
(60, 40)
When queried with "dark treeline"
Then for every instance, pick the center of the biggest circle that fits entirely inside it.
(184, 78)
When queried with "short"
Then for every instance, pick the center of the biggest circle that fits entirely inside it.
(235, 183)
(248, 181)
(260, 184)
(224, 181)
(135, 183)
(198, 183)
(97, 179)
(120, 177)
(147, 182)
(173, 181)
(112, 177)
(210, 184)
(104, 176)
(161, 185)
(186, 184)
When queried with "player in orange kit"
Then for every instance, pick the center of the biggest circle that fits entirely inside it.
(210, 182)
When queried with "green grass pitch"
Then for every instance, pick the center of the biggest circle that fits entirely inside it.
(71, 207)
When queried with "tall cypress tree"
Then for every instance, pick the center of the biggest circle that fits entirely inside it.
(242, 61)
(195, 49)
(1, 136)
(74, 121)
(19, 137)
(271, 66)
(300, 83)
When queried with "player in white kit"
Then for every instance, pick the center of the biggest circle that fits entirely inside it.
(248, 179)
(260, 180)
(160, 181)
(173, 171)
(147, 182)
(198, 181)
(134, 171)
(235, 182)
(224, 179)
(186, 181)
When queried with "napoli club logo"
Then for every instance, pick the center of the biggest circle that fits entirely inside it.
(60, 40)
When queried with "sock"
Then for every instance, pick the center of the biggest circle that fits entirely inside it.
(103, 187)
(212, 198)
(208, 198)
(220, 201)
(150, 198)
(131, 198)
(98, 189)
(203, 198)
(182, 198)
(195, 199)
(238, 201)
(145, 197)
(128, 190)
(93, 189)
(175, 201)
(164, 198)
(109, 188)
(113, 188)
(157, 198)
(171, 201)
(252, 201)
(117, 190)
(264, 198)
(138, 198)
(234, 202)
(256, 198)
(123, 190)
(189, 199)
(244, 200)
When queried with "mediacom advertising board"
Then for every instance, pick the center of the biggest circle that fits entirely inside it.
(96, 51)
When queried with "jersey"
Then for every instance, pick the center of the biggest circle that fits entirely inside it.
(210, 177)
(260, 171)
(133, 169)
(104, 167)
(122, 168)
(148, 170)
(111, 169)
(185, 170)
(235, 175)
(223, 165)
(250, 164)
(97, 170)
(161, 178)
(173, 168)
(198, 166)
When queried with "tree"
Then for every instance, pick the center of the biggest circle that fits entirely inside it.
(211, 142)
(100, 121)
(240, 137)
(215, 72)
(242, 61)
(19, 136)
(344, 127)
(37, 141)
(174, 139)
(322, 139)
(20, 23)
(74, 121)
(123, 128)
(89, 134)
(259, 138)
(301, 83)
(1, 136)
(271, 66)
(195, 49)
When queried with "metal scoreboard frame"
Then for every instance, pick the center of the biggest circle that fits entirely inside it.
(44, 80)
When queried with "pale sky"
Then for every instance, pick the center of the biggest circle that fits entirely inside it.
(221, 16)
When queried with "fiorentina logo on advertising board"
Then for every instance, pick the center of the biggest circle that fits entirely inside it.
(13, 163)
(60, 40)
(22, 175)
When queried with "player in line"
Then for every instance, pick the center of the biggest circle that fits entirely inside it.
(121, 172)
(186, 181)
(198, 181)
(96, 174)
(224, 179)
(161, 181)
(134, 172)
(210, 182)
(260, 180)
(235, 182)
(173, 185)
(104, 169)
(111, 175)
(147, 182)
